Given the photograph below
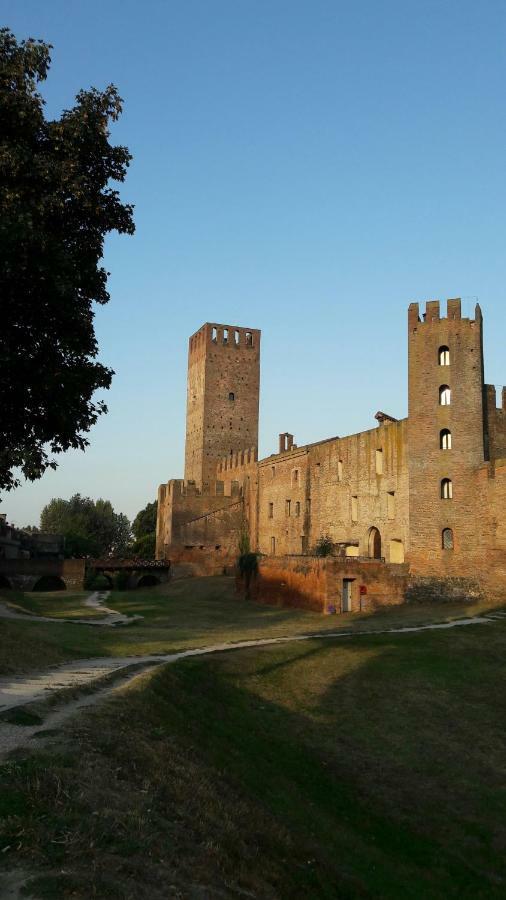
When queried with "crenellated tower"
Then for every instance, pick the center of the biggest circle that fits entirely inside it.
(446, 432)
(222, 399)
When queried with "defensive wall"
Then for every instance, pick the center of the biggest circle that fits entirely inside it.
(25, 574)
(427, 492)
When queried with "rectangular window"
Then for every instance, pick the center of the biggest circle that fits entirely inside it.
(391, 505)
(308, 506)
(271, 510)
(297, 509)
(273, 546)
(273, 471)
(354, 509)
(339, 470)
(288, 504)
(379, 462)
(295, 478)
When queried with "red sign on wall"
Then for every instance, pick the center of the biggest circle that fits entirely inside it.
(362, 589)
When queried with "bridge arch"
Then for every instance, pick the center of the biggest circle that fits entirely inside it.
(50, 583)
(147, 580)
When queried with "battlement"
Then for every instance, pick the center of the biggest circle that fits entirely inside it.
(433, 314)
(226, 336)
(491, 392)
(237, 460)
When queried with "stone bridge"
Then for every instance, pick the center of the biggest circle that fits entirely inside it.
(69, 574)
(141, 572)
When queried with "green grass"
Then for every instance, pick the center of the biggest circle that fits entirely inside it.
(179, 615)
(355, 768)
(57, 605)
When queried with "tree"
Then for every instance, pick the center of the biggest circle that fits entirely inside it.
(144, 530)
(56, 206)
(90, 528)
(324, 546)
(248, 569)
(145, 520)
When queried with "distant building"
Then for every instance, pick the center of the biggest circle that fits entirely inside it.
(18, 544)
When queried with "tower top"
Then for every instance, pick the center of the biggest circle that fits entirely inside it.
(225, 335)
(432, 312)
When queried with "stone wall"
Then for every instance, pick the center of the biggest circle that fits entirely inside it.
(342, 487)
(318, 583)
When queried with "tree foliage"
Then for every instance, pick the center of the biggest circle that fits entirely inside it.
(144, 530)
(56, 206)
(324, 546)
(90, 528)
(248, 569)
(145, 520)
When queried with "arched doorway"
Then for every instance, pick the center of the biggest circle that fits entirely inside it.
(4, 583)
(50, 583)
(374, 544)
(147, 581)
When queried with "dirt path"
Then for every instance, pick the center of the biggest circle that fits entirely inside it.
(23, 690)
(95, 601)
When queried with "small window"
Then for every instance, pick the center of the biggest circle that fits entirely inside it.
(288, 505)
(447, 542)
(225, 335)
(295, 478)
(271, 510)
(391, 505)
(339, 470)
(273, 471)
(297, 509)
(231, 396)
(445, 395)
(249, 339)
(444, 356)
(354, 509)
(379, 462)
(445, 439)
(214, 335)
(273, 546)
(236, 338)
(446, 489)
(308, 506)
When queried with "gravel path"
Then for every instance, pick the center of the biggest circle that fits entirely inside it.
(95, 601)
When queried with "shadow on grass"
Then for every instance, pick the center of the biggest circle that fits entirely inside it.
(371, 769)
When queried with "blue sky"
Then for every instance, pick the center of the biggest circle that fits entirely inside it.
(307, 168)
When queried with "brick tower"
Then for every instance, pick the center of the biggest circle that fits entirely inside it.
(446, 435)
(223, 398)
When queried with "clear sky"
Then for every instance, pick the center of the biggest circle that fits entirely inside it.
(307, 168)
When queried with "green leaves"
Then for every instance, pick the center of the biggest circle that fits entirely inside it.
(56, 206)
(90, 528)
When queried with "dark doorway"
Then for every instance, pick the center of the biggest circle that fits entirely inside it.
(49, 583)
(4, 583)
(374, 544)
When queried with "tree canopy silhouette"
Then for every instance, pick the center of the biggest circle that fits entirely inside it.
(56, 206)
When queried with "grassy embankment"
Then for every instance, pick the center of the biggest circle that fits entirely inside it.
(369, 767)
(179, 615)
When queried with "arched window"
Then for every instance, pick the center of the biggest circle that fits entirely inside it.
(447, 539)
(231, 396)
(446, 489)
(444, 356)
(445, 439)
(445, 395)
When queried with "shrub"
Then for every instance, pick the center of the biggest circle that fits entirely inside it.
(324, 546)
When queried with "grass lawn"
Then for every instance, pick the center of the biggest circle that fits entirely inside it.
(57, 605)
(182, 614)
(370, 767)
